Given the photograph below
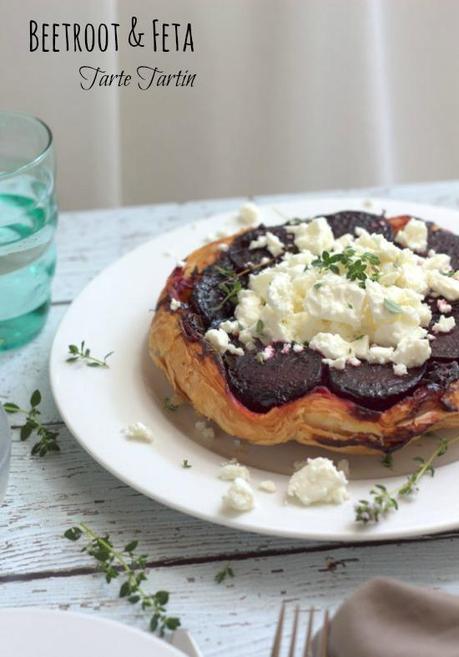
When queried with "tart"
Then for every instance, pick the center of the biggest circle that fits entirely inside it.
(258, 331)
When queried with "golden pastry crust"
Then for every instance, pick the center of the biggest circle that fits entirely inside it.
(319, 418)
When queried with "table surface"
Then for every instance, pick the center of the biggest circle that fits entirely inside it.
(46, 496)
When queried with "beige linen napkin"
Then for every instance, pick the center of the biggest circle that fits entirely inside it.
(387, 618)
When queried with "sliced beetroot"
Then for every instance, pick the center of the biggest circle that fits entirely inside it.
(444, 241)
(208, 296)
(280, 379)
(241, 255)
(373, 385)
(446, 345)
(347, 221)
(440, 375)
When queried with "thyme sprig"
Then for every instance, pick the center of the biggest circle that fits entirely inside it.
(231, 285)
(357, 267)
(225, 573)
(382, 500)
(83, 353)
(132, 567)
(47, 439)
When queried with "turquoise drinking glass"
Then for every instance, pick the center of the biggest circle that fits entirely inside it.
(28, 217)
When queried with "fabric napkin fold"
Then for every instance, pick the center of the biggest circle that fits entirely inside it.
(387, 618)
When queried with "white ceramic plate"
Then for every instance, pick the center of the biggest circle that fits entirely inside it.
(47, 633)
(114, 313)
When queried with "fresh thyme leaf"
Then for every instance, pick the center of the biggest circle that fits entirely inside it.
(382, 500)
(357, 267)
(259, 326)
(169, 404)
(186, 464)
(82, 353)
(130, 565)
(47, 439)
(387, 460)
(224, 573)
(392, 307)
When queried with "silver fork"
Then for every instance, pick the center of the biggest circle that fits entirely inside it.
(307, 650)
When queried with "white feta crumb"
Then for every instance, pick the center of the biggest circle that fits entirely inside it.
(297, 348)
(223, 247)
(444, 325)
(232, 470)
(414, 235)
(236, 351)
(267, 486)
(400, 369)
(139, 431)
(431, 337)
(431, 253)
(239, 496)
(318, 482)
(175, 304)
(205, 429)
(269, 241)
(343, 466)
(444, 307)
(249, 214)
(218, 339)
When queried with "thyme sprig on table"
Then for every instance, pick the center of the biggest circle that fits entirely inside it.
(83, 353)
(382, 500)
(47, 439)
(225, 573)
(132, 567)
(357, 267)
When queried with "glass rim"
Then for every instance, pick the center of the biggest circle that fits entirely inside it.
(41, 155)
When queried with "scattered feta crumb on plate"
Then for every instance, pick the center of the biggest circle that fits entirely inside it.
(239, 496)
(249, 214)
(267, 486)
(232, 470)
(139, 431)
(318, 482)
(205, 429)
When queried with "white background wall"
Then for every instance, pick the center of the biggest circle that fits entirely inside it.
(291, 95)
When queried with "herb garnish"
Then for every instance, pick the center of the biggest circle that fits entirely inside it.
(231, 285)
(112, 562)
(224, 573)
(382, 500)
(259, 327)
(186, 464)
(48, 439)
(84, 354)
(169, 404)
(392, 307)
(387, 460)
(357, 267)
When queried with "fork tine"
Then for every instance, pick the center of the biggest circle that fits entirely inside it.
(291, 652)
(275, 651)
(308, 641)
(324, 636)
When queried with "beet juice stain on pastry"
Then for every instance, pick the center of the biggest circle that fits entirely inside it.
(338, 331)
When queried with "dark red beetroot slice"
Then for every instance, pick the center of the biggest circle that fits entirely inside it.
(443, 241)
(375, 386)
(446, 345)
(280, 379)
(240, 253)
(440, 375)
(347, 221)
(207, 296)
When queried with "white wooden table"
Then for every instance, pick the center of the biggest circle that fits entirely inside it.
(46, 496)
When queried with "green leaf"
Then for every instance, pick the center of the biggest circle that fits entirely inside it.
(26, 430)
(35, 399)
(10, 408)
(162, 597)
(72, 359)
(130, 547)
(125, 589)
(392, 307)
(259, 326)
(154, 622)
(172, 623)
(73, 534)
(73, 349)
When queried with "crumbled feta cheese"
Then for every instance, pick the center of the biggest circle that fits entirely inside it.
(446, 286)
(239, 496)
(400, 369)
(315, 236)
(230, 326)
(318, 482)
(267, 486)
(139, 431)
(205, 430)
(218, 339)
(444, 325)
(330, 345)
(412, 351)
(175, 304)
(236, 351)
(297, 348)
(444, 307)
(232, 470)
(249, 214)
(414, 235)
(269, 241)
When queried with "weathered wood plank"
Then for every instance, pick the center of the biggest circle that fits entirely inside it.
(238, 617)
